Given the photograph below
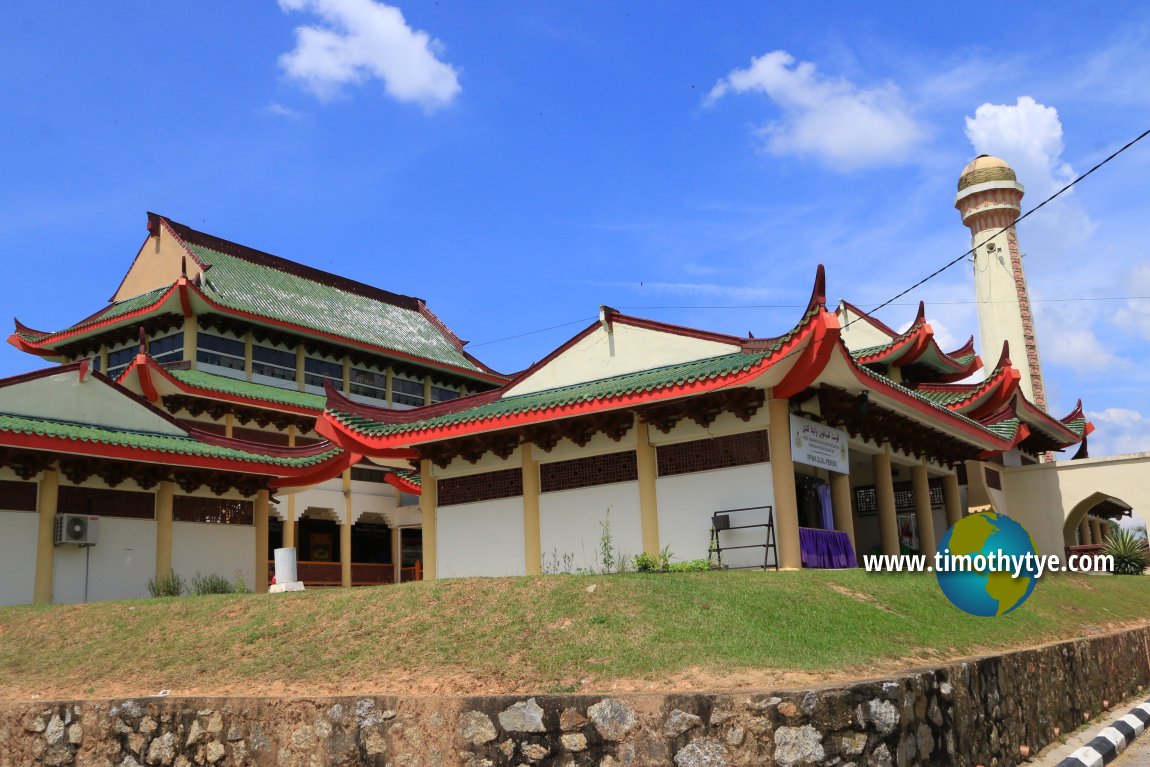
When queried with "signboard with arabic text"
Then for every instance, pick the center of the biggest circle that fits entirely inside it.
(819, 445)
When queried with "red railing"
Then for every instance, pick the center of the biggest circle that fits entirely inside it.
(362, 573)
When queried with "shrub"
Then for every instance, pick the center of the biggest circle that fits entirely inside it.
(211, 584)
(170, 585)
(645, 563)
(1130, 554)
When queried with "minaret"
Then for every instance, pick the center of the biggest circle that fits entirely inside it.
(990, 200)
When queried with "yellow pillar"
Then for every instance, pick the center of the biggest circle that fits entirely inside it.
(953, 499)
(248, 343)
(229, 425)
(300, 358)
(46, 501)
(389, 380)
(345, 533)
(427, 505)
(427, 390)
(396, 555)
(841, 506)
(923, 516)
(261, 520)
(783, 478)
(191, 329)
(346, 374)
(884, 496)
(532, 546)
(103, 359)
(647, 461)
(1084, 536)
(1099, 531)
(165, 496)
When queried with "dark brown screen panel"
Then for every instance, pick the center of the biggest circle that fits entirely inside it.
(17, 496)
(106, 503)
(588, 472)
(219, 511)
(713, 453)
(488, 486)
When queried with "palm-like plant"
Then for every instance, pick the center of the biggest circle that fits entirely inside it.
(1130, 554)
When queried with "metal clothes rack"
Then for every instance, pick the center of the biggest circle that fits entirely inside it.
(721, 523)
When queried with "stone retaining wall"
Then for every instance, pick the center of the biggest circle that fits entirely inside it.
(977, 712)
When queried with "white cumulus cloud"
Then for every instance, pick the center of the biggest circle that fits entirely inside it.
(1118, 431)
(359, 40)
(831, 119)
(1028, 135)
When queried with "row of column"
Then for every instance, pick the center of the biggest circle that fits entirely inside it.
(785, 506)
(47, 502)
(1092, 532)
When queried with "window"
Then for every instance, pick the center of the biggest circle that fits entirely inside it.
(168, 349)
(273, 363)
(368, 383)
(186, 508)
(405, 392)
(367, 475)
(215, 350)
(440, 394)
(316, 371)
(119, 359)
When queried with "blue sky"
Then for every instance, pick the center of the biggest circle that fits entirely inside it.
(519, 163)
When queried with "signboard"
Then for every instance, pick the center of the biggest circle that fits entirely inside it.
(819, 445)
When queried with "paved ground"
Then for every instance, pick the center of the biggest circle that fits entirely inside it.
(1138, 755)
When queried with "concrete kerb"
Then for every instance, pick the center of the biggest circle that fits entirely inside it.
(1117, 733)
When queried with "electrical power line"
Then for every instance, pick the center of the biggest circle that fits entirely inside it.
(932, 303)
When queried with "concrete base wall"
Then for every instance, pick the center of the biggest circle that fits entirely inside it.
(970, 713)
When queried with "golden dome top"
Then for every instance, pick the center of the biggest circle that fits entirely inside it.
(985, 168)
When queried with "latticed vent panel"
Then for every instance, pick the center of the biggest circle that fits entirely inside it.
(219, 511)
(106, 503)
(488, 486)
(588, 472)
(715, 453)
(866, 499)
(17, 496)
(993, 479)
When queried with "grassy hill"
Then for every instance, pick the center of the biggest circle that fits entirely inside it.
(717, 630)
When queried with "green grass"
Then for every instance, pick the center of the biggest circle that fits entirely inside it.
(534, 634)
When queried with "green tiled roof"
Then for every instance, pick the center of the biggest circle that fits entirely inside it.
(630, 383)
(919, 396)
(157, 443)
(1006, 428)
(943, 397)
(218, 383)
(1078, 425)
(121, 308)
(241, 284)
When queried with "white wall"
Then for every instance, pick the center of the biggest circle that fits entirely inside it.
(570, 522)
(686, 502)
(18, 533)
(206, 548)
(484, 538)
(121, 563)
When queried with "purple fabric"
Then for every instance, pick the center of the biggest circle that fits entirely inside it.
(827, 517)
(826, 549)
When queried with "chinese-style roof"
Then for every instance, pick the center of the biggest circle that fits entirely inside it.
(160, 444)
(480, 408)
(165, 440)
(980, 398)
(265, 289)
(196, 381)
(918, 353)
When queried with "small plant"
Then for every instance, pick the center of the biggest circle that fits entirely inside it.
(606, 545)
(665, 557)
(645, 563)
(211, 584)
(1131, 556)
(555, 563)
(170, 585)
(239, 583)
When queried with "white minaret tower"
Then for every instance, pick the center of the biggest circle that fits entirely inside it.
(990, 200)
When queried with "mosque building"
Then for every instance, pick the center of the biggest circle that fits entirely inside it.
(228, 402)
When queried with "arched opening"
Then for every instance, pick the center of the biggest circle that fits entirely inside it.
(1089, 516)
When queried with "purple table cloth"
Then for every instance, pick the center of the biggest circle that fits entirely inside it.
(826, 549)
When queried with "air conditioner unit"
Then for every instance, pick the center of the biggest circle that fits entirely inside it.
(82, 529)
